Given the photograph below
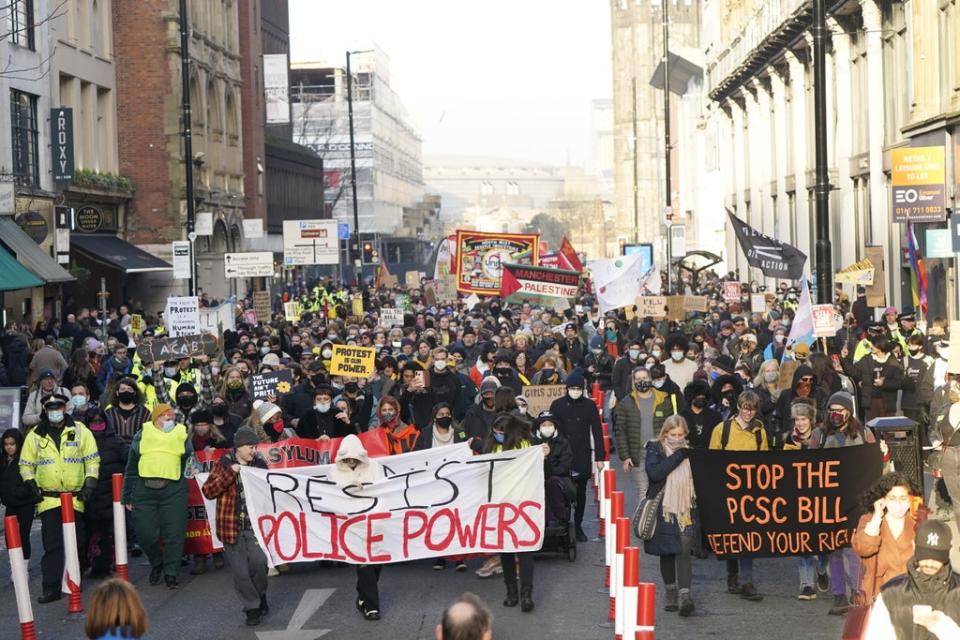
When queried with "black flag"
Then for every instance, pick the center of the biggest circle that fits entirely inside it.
(774, 258)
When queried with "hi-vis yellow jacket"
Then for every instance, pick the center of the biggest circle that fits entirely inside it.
(59, 467)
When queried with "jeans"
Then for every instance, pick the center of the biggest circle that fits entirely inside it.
(640, 477)
(810, 566)
(742, 567)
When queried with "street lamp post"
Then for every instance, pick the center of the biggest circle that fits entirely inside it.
(822, 184)
(186, 128)
(358, 269)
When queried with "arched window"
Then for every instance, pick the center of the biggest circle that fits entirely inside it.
(233, 119)
(214, 114)
(196, 107)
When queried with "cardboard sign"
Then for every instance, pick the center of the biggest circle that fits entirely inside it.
(181, 316)
(423, 504)
(824, 320)
(275, 383)
(430, 293)
(785, 380)
(758, 303)
(412, 279)
(262, 306)
(675, 308)
(858, 273)
(357, 362)
(699, 304)
(782, 503)
(731, 292)
(652, 307)
(390, 318)
(162, 349)
(292, 310)
(136, 324)
(356, 306)
(876, 293)
(541, 396)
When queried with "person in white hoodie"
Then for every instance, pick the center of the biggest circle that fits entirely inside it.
(355, 468)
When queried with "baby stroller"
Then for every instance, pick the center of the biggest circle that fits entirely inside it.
(559, 535)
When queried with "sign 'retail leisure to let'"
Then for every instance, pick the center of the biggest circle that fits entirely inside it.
(782, 503)
(425, 504)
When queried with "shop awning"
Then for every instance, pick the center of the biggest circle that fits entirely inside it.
(13, 276)
(29, 254)
(116, 253)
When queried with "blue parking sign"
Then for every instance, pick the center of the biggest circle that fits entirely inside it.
(343, 230)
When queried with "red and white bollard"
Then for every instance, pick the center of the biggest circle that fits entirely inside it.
(646, 610)
(71, 571)
(631, 580)
(21, 584)
(622, 527)
(606, 447)
(119, 529)
(614, 511)
(609, 486)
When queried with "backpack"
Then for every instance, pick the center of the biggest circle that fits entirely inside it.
(725, 435)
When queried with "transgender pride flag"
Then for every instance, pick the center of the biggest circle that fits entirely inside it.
(802, 328)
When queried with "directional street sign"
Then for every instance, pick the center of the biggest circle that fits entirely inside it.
(307, 242)
(252, 264)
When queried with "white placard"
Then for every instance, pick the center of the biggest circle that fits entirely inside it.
(203, 224)
(252, 228)
(181, 316)
(212, 319)
(391, 317)
(252, 264)
(181, 260)
(307, 242)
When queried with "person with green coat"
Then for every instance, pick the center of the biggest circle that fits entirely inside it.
(155, 490)
(639, 418)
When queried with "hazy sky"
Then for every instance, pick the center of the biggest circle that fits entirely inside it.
(509, 78)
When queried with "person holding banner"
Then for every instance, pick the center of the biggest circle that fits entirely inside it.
(669, 472)
(247, 560)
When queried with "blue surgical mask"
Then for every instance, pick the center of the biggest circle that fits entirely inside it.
(611, 335)
(78, 400)
(498, 437)
(714, 375)
(168, 426)
(55, 417)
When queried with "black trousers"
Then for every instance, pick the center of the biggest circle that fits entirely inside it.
(509, 562)
(51, 532)
(24, 516)
(99, 549)
(368, 575)
(580, 482)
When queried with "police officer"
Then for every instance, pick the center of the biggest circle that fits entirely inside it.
(59, 456)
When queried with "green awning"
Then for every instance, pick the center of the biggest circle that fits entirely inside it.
(13, 275)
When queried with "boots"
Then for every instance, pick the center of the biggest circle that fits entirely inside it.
(526, 599)
(512, 597)
(686, 603)
(671, 604)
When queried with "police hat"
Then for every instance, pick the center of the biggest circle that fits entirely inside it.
(54, 398)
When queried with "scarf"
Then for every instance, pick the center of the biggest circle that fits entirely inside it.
(441, 439)
(403, 441)
(678, 493)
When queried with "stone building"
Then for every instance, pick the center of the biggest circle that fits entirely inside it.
(147, 61)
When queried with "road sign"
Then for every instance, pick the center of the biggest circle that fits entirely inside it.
(308, 242)
(252, 264)
(343, 231)
(181, 260)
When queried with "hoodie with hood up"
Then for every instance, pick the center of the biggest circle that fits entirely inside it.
(366, 472)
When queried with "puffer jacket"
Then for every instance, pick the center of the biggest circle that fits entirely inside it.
(632, 434)
(113, 459)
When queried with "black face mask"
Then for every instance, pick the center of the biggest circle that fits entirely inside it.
(219, 410)
(503, 374)
(186, 401)
(351, 387)
(699, 402)
(127, 397)
(444, 421)
(731, 398)
(642, 386)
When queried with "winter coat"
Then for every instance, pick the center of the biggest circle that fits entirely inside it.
(560, 460)
(918, 384)
(787, 396)
(658, 465)
(573, 351)
(16, 357)
(32, 409)
(622, 378)
(578, 420)
(701, 426)
(46, 358)
(425, 441)
(298, 403)
(477, 422)
(882, 557)
(864, 372)
(113, 459)
(892, 612)
(366, 472)
(13, 491)
(632, 434)
(602, 369)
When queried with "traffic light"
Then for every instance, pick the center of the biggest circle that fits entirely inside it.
(369, 253)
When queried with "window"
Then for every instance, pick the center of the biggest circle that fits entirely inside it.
(23, 122)
(20, 22)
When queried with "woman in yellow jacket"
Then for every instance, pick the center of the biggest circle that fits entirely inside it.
(155, 490)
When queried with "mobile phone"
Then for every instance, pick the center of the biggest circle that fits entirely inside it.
(921, 613)
(420, 377)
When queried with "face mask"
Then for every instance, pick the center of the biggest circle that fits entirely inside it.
(127, 397)
(521, 410)
(575, 394)
(264, 350)
(332, 335)
(634, 353)
(714, 375)
(444, 422)
(547, 432)
(326, 353)
(658, 384)
(97, 426)
(55, 417)
(78, 400)
(656, 353)
(186, 401)
(731, 398)
(642, 385)
(395, 344)
(785, 322)
(897, 509)
(440, 365)
(675, 442)
(547, 373)
(676, 356)
(387, 416)
(168, 426)
(770, 376)
(351, 387)
(219, 410)
(699, 403)
(170, 371)
(234, 384)
(836, 418)
(322, 407)
(498, 437)
(914, 350)
(611, 335)
(596, 352)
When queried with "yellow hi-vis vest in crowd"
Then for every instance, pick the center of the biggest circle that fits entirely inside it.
(59, 469)
(161, 454)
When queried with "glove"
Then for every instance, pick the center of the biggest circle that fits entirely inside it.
(35, 494)
(89, 486)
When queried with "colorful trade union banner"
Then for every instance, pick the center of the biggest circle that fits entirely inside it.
(480, 258)
(782, 503)
(521, 283)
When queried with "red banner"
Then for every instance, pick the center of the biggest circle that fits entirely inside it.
(286, 454)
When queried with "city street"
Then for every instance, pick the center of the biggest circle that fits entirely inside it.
(310, 602)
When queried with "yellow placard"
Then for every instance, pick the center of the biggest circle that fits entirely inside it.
(136, 324)
(357, 306)
(412, 279)
(352, 361)
(292, 311)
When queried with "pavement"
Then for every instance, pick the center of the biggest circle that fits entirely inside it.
(311, 602)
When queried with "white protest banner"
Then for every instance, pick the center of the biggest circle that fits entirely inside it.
(425, 504)
(824, 320)
(181, 316)
(758, 302)
(213, 318)
(391, 317)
